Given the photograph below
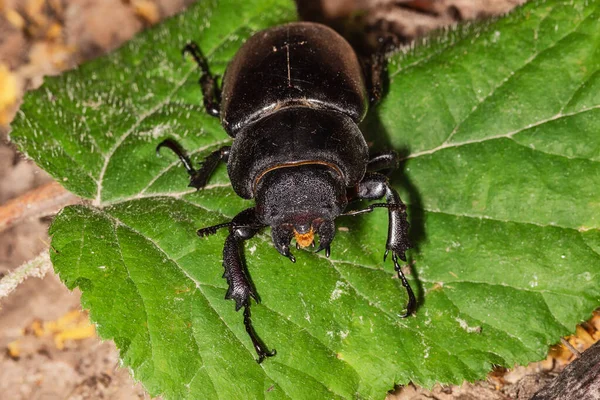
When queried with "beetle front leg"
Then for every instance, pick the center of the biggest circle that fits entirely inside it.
(198, 177)
(375, 186)
(208, 82)
(243, 227)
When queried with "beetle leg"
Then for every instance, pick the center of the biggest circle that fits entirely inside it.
(375, 186)
(376, 68)
(208, 82)
(211, 230)
(383, 161)
(259, 345)
(326, 232)
(243, 227)
(198, 177)
(282, 237)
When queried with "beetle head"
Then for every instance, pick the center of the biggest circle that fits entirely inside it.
(301, 202)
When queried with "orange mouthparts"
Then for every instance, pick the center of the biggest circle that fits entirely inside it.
(305, 239)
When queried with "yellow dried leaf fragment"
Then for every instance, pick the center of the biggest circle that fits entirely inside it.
(8, 93)
(147, 10)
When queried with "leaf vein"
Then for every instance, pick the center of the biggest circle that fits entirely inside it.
(499, 136)
(510, 76)
(150, 339)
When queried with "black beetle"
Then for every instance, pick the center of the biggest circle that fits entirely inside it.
(292, 98)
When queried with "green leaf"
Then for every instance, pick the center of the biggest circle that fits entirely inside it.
(499, 124)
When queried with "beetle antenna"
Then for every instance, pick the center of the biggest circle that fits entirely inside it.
(211, 230)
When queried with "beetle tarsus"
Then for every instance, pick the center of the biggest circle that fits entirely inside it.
(260, 347)
(208, 82)
(412, 301)
(176, 148)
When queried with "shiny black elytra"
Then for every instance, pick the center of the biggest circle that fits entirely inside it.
(292, 98)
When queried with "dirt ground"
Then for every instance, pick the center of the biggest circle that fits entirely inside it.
(48, 350)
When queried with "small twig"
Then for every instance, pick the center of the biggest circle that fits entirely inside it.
(569, 346)
(40, 202)
(38, 267)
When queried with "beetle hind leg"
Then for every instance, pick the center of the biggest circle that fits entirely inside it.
(198, 177)
(208, 82)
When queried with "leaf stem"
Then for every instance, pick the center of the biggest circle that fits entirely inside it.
(38, 267)
(40, 202)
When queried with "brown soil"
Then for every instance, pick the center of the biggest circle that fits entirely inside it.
(48, 350)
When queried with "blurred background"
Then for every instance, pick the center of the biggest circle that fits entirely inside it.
(48, 349)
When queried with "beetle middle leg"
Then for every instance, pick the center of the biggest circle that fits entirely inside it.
(208, 82)
(386, 162)
(243, 227)
(375, 186)
(198, 177)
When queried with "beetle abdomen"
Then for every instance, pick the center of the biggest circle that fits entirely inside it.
(298, 64)
(297, 136)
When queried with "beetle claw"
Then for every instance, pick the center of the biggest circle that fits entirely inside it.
(291, 256)
(326, 248)
(264, 355)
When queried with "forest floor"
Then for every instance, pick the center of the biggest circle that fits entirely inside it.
(48, 349)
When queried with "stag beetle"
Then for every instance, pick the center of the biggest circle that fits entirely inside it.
(292, 98)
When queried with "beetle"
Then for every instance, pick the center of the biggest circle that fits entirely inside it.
(291, 99)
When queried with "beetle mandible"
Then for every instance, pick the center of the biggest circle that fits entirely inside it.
(291, 99)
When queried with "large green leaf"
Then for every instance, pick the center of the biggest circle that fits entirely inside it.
(500, 126)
